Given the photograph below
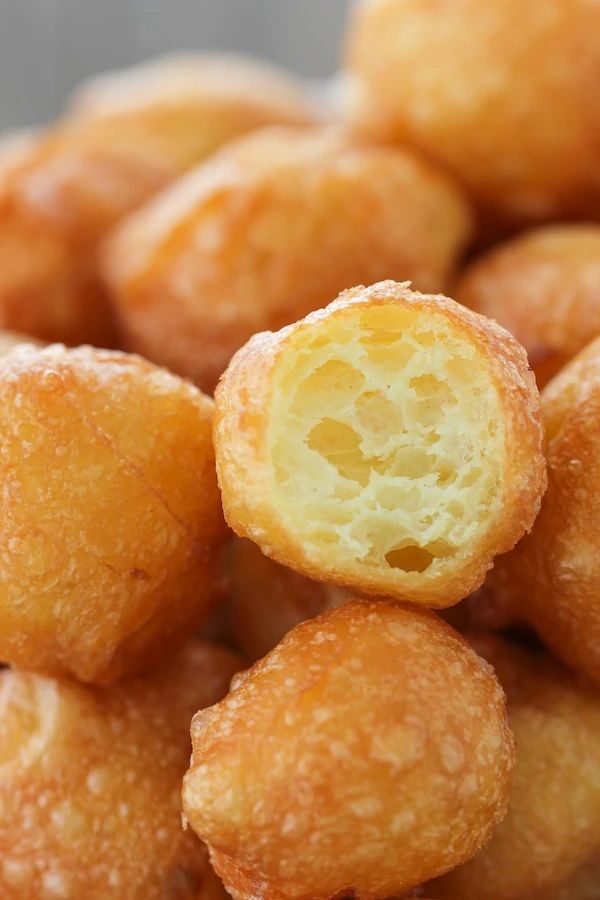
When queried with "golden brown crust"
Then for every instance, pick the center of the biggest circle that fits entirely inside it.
(372, 737)
(266, 600)
(75, 181)
(502, 94)
(552, 578)
(244, 410)
(110, 511)
(272, 228)
(550, 836)
(543, 287)
(90, 783)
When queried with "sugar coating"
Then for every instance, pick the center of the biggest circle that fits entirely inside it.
(382, 776)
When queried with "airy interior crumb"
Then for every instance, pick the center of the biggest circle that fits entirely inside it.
(386, 438)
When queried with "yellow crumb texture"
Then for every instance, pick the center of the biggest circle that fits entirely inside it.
(401, 447)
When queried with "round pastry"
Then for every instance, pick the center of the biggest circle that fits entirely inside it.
(110, 511)
(503, 94)
(90, 783)
(372, 737)
(390, 444)
(552, 578)
(550, 836)
(134, 134)
(269, 230)
(543, 287)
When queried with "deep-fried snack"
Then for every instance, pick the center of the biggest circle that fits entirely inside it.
(551, 832)
(134, 134)
(544, 287)
(390, 443)
(372, 737)
(266, 600)
(90, 783)
(110, 511)
(552, 577)
(503, 94)
(271, 229)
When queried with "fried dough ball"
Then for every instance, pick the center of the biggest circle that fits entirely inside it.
(501, 93)
(270, 230)
(197, 102)
(544, 287)
(551, 833)
(372, 737)
(390, 443)
(111, 518)
(552, 578)
(90, 783)
(134, 134)
(266, 600)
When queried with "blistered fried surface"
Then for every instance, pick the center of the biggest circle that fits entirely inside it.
(366, 752)
(127, 138)
(544, 287)
(390, 443)
(90, 783)
(548, 845)
(269, 230)
(110, 511)
(552, 578)
(502, 93)
(266, 600)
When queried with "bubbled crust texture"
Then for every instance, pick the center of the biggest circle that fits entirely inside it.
(266, 600)
(270, 230)
(550, 836)
(98, 583)
(543, 287)
(75, 181)
(90, 783)
(372, 737)
(552, 578)
(242, 422)
(511, 109)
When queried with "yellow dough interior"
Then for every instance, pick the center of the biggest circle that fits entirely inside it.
(386, 439)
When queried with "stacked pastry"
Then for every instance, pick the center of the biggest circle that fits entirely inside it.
(326, 537)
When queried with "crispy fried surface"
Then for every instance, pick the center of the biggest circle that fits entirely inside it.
(372, 737)
(390, 443)
(548, 844)
(501, 93)
(127, 137)
(269, 230)
(552, 578)
(544, 287)
(110, 511)
(90, 783)
(266, 600)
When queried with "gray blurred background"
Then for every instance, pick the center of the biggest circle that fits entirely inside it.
(47, 46)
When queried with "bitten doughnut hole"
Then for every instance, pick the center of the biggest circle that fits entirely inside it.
(387, 441)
